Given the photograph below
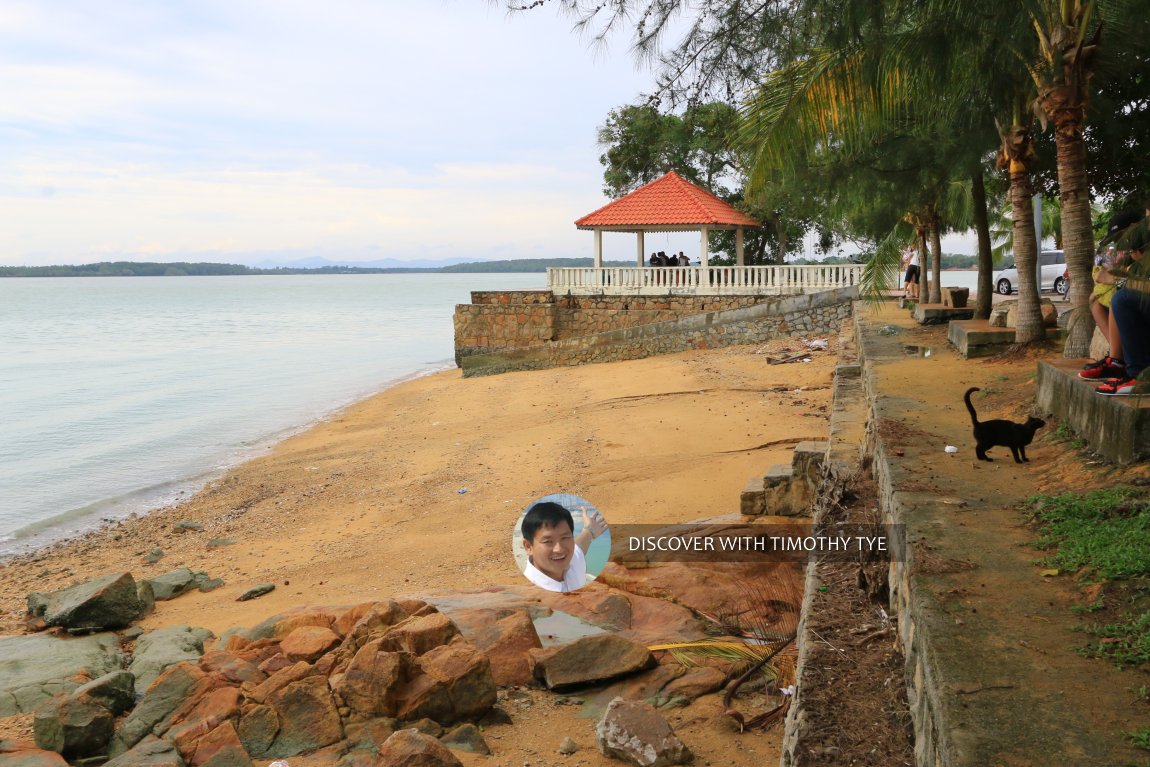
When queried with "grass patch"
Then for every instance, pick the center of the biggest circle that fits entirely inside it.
(1140, 738)
(1105, 531)
(1103, 535)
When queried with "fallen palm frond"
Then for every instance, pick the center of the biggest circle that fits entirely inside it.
(768, 620)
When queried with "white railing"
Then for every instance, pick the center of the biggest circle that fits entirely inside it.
(700, 281)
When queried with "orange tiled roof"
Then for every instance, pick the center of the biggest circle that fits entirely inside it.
(668, 201)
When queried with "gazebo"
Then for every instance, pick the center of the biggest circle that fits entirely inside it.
(668, 204)
(673, 204)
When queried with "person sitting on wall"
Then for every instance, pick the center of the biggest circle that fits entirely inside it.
(654, 260)
(556, 558)
(1130, 307)
(1113, 365)
(683, 260)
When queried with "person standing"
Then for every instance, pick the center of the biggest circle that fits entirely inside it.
(910, 260)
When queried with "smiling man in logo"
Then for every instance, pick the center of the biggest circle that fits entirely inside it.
(555, 555)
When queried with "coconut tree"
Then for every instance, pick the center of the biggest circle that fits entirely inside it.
(1016, 156)
(1068, 39)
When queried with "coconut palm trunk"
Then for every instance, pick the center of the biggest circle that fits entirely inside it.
(1063, 96)
(985, 254)
(936, 259)
(1028, 320)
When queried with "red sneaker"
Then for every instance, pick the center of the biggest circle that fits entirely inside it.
(1105, 369)
(1122, 388)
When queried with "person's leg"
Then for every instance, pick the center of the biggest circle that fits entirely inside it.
(1115, 337)
(1131, 312)
(1102, 320)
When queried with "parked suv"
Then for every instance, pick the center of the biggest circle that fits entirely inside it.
(1053, 274)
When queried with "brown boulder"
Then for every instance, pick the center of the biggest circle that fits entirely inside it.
(370, 685)
(696, 682)
(279, 626)
(231, 668)
(205, 716)
(413, 749)
(634, 732)
(457, 684)
(13, 754)
(279, 680)
(590, 659)
(308, 717)
(386, 612)
(420, 634)
(221, 748)
(308, 643)
(506, 643)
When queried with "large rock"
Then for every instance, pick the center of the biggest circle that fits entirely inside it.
(307, 715)
(199, 716)
(14, 754)
(176, 583)
(634, 732)
(371, 684)
(506, 643)
(171, 691)
(258, 727)
(149, 752)
(115, 691)
(419, 634)
(414, 749)
(34, 668)
(220, 748)
(308, 643)
(590, 659)
(74, 727)
(159, 649)
(454, 684)
(108, 602)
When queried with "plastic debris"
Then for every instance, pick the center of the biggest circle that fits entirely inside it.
(818, 343)
(889, 330)
(462, 491)
(279, 763)
(788, 690)
(951, 449)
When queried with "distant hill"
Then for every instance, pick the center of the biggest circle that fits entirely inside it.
(189, 269)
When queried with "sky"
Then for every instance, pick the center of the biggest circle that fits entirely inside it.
(253, 131)
(241, 130)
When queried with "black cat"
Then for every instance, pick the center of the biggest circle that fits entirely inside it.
(1015, 436)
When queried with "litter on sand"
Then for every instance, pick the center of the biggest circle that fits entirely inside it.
(951, 449)
(819, 344)
(784, 360)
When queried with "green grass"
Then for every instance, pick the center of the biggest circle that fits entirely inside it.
(1106, 532)
(1103, 535)
(1140, 738)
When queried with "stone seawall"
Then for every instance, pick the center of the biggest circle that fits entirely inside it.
(810, 314)
(502, 319)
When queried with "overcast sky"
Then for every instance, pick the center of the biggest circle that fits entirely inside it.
(352, 129)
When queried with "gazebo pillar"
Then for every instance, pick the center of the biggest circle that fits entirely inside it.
(703, 247)
(639, 257)
(739, 246)
(598, 248)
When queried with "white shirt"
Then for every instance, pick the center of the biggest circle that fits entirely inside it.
(573, 579)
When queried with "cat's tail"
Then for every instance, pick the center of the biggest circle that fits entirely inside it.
(970, 407)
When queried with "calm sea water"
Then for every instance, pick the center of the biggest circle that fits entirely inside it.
(121, 394)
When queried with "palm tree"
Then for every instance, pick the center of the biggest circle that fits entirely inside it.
(1016, 155)
(1062, 76)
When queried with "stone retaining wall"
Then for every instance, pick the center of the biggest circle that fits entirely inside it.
(810, 314)
(502, 319)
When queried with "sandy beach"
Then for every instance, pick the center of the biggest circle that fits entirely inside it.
(370, 503)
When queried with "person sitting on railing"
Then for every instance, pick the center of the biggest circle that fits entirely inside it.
(654, 260)
(662, 258)
(683, 260)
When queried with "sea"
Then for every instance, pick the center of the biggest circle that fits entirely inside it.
(123, 394)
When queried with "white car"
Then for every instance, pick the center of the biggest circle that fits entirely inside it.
(1053, 275)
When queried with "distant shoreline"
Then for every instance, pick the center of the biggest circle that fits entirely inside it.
(208, 269)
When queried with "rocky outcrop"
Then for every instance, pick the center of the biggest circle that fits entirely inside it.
(179, 582)
(34, 668)
(74, 726)
(109, 602)
(309, 680)
(634, 732)
(19, 754)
